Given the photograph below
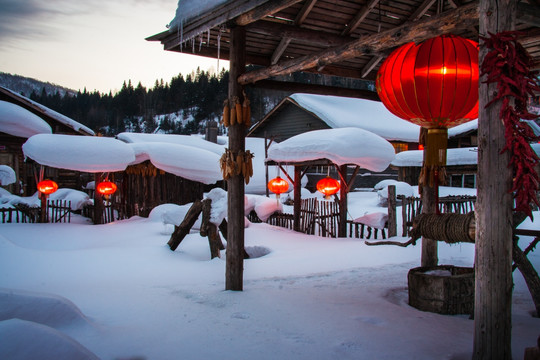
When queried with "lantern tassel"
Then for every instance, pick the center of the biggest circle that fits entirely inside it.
(434, 170)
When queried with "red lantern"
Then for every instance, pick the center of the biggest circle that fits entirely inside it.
(278, 186)
(47, 187)
(106, 188)
(328, 186)
(434, 85)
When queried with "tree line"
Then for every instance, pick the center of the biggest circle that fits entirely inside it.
(195, 98)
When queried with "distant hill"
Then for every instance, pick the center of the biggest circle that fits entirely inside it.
(24, 85)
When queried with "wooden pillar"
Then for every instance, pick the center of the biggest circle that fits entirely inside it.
(493, 257)
(429, 206)
(235, 184)
(98, 200)
(392, 217)
(297, 197)
(343, 190)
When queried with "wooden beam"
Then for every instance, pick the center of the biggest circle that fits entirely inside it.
(371, 65)
(304, 12)
(280, 50)
(529, 14)
(360, 16)
(448, 22)
(262, 11)
(298, 34)
(422, 9)
(294, 87)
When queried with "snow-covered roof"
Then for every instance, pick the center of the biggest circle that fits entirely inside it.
(339, 112)
(463, 128)
(81, 153)
(460, 156)
(189, 9)
(342, 146)
(49, 113)
(190, 162)
(188, 140)
(100, 154)
(17, 121)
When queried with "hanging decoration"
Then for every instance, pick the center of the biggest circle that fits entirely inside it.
(237, 164)
(47, 187)
(508, 65)
(434, 85)
(328, 186)
(278, 186)
(106, 187)
(236, 113)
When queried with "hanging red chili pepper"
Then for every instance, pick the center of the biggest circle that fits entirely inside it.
(508, 64)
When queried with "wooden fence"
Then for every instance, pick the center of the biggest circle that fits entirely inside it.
(320, 218)
(57, 211)
(412, 206)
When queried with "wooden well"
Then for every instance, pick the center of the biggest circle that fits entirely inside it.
(443, 289)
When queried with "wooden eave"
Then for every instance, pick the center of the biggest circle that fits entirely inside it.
(346, 38)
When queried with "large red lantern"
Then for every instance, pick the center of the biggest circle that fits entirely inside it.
(47, 187)
(328, 186)
(278, 186)
(106, 188)
(434, 85)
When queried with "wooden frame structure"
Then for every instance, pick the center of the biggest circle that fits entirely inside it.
(350, 38)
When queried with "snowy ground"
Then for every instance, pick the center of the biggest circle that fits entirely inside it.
(116, 291)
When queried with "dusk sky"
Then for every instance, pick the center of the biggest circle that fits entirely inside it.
(95, 44)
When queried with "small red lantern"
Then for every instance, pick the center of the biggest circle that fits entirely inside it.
(328, 186)
(278, 186)
(106, 188)
(47, 187)
(434, 85)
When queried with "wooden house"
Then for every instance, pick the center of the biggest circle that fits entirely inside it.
(21, 118)
(300, 113)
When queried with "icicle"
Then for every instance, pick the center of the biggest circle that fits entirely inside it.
(193, 45)
(208, 40)
(181, 34)
(218, 48)
(200, 42)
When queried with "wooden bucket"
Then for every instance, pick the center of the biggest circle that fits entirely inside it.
(443, 289)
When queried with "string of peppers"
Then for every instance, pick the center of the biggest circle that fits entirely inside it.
(508, 64)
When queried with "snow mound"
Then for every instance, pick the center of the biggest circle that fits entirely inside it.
(172, 214)
(263, 206)
(78, 198)
(46, 309)
(402, 188)
(375, 220)
(7, 175)
(218, 210)
(22, 340)
(384, 183)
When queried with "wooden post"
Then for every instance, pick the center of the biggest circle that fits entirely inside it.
(429, 255)
(343, 190)
(493, 258)
(297, 197)
(235, 184)
(44, 215)
(98, 200)
(392, 216)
